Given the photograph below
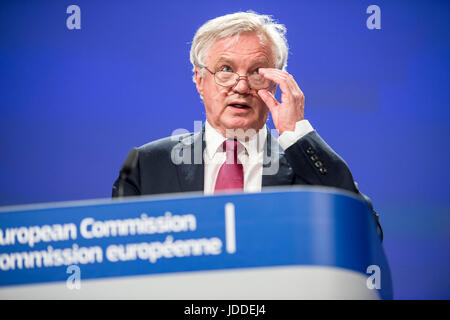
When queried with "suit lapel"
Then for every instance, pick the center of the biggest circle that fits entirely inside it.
(276, 169)
(191, 172)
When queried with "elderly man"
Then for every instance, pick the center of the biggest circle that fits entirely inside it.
(238, 61)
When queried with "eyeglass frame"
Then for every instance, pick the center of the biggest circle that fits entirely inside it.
(271, 86)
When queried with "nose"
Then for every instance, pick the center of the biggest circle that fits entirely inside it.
(242, 85)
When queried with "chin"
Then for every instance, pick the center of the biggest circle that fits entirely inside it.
(244, 124)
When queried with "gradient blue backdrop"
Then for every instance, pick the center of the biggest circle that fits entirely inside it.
(74, 102)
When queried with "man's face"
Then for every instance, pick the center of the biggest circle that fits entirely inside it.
(240, 106)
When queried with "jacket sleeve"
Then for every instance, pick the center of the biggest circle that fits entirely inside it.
(314, 162)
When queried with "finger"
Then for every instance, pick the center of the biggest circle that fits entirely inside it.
(286, 90)
(279, 78)
(273, 72)
(283, 75)
(290, 87)
(268, 99)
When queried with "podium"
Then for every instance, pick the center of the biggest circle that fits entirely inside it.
(282, 243)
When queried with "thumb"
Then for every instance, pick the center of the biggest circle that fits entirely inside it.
(268, 99)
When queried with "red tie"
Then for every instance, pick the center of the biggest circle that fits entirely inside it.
(231, 173)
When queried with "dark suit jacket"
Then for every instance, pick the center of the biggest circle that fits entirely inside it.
(309, 161)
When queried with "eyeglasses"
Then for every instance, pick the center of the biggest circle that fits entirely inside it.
(229, 79)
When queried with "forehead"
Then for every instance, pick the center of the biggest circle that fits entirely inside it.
(245, 48)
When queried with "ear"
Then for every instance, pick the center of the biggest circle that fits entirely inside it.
(198, 81)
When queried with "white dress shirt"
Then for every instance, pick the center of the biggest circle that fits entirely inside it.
(251, 156)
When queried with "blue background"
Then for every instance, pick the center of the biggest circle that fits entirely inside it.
(74, 102)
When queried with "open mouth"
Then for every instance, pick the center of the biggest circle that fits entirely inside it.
(239, 106)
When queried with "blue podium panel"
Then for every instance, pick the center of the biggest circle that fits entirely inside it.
(279, 234)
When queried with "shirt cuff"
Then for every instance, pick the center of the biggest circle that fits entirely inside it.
(288, 138)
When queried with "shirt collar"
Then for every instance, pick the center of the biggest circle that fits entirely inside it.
(214, 141)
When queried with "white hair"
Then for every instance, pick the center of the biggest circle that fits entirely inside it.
(233, 25)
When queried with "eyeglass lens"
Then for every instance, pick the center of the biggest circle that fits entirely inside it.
(229, 79)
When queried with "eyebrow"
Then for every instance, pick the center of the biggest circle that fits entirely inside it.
(228, 61)
(223, 60)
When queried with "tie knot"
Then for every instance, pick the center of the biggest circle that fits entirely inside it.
(231, 148)
(229, 145)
